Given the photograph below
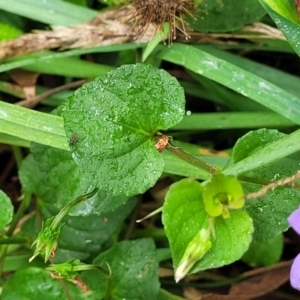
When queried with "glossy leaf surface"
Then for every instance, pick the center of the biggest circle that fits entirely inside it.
(270, 211)
(226, 15)
(115, 118)
(53, 175)
(134, 275)
(184, 216)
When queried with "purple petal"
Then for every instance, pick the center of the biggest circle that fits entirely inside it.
(295, 273)
(294, 220)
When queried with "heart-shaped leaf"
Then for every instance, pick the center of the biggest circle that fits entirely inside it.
(184, 216)
(111, 123)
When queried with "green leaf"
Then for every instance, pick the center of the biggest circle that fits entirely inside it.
(54, 12)
(32, 125)
(269, 217)
(229, 120)
(47, 56)
(69, 66)
(265, 253)
(7, 210)
(53, 176)
(36, 283)
(254, 141)
(236, 78)
(184, 216)
(286, 81)
(277, 150)
(285, 17)
(115, 118)
(134, 275)
(232, 239)
(226, 15)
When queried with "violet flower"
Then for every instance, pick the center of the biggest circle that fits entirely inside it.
(294, 221)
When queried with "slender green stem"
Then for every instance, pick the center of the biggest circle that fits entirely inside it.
(108, 289)
(3, 250)
(18, 155)
(254, 180)
(67, 208)
(192, 160)
(91, 267)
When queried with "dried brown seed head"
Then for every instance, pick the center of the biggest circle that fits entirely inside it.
(159, 12)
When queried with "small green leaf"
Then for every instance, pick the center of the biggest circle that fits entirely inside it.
(134, 275)
(7, 210)
(116, 117)
(220, 193)
(253, 141)
(67, 269)
(269, 217)
(265, 253)
(226, 15)
(36, 283)
(72, 268)
(184, 216)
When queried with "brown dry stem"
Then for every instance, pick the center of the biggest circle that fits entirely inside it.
(33, 101)
(289, 181)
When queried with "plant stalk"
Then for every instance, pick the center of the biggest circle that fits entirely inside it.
(192, 160)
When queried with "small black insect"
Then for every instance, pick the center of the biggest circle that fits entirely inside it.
(73, 139)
